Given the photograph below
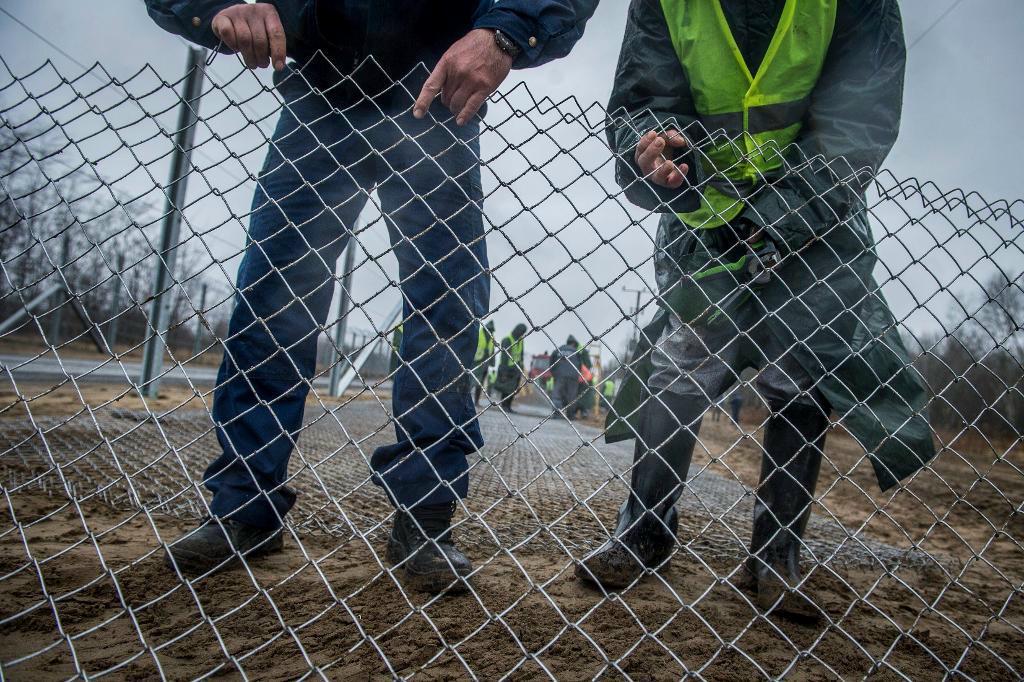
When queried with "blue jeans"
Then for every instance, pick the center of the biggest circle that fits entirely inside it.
(322, 164)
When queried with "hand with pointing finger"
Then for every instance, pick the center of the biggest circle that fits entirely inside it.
(467, 74)
(654, 154)
(254, 31)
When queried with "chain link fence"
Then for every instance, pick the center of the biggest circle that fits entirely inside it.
(102, 465)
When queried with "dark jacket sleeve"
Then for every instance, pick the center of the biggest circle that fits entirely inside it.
(189, 19)
(852, 123)
(651, 91)
(543, 29)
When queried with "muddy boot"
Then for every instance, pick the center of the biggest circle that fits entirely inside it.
(216, 545)
(645, 534)
(794, 442)
(427, 559)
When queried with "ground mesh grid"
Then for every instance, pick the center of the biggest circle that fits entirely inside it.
(100, 474)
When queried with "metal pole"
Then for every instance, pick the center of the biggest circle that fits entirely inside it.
(636, 312)
(344, 303)
(26, 310)
(115, 305)
(160, 312)
(350, 374)
(56, 316)
(198, 337)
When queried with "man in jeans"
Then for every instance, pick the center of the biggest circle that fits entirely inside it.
(348, 128)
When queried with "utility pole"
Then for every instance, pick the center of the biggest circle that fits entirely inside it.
(160, 312)
(197, 339)
(636, 323)
(115, 304)
(368, 349)
(344, 303)
(57, 314)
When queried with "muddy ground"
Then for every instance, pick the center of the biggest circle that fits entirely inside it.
(83, 589)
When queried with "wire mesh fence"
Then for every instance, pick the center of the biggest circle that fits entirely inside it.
(905, 339)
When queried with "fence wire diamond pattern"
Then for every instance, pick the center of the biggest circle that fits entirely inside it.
(101, 471)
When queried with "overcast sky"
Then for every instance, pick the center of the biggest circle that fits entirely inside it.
(960, 130)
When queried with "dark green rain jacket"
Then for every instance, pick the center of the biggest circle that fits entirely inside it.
(822, 300)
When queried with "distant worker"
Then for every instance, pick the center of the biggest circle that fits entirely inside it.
(754, 129)
(396, 350)
(587, 398)
(510, 366)
(607, 394)
(735, 405)
(565, 362)
(484, 359)
(584, 383)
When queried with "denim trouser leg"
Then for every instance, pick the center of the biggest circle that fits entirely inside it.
(430, 194)
(314, 183)
(306, 202)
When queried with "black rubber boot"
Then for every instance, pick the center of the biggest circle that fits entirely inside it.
(645, 534)
(427, 559)
(218, 545)
(794, 442)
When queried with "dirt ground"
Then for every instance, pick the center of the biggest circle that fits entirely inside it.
(327, 603)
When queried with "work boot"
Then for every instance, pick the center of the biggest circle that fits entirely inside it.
(645, 534)
(793, 445)
(425, 558)
(216, 545)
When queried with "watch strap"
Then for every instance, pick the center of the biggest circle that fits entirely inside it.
(506, 44)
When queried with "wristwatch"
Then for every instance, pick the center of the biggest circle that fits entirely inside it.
(506, 45)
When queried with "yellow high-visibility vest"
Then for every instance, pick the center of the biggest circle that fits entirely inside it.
(608, 388)
(761, 113)
(484, 345)
(514, 356)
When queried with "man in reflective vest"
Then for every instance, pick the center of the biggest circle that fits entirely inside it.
(510, 366)
(754, 127)
(395, 360)
(565, 369)
(586, 395)
(484, 358)
(607, 394)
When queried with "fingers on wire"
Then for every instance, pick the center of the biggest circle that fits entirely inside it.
(260, 42)
(652, 160)
(433, 85)
(278, 42)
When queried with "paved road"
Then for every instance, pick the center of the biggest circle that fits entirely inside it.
(47, 368)
(27, 368)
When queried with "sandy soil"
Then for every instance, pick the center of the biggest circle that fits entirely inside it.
(327, 602)
(336, 607)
